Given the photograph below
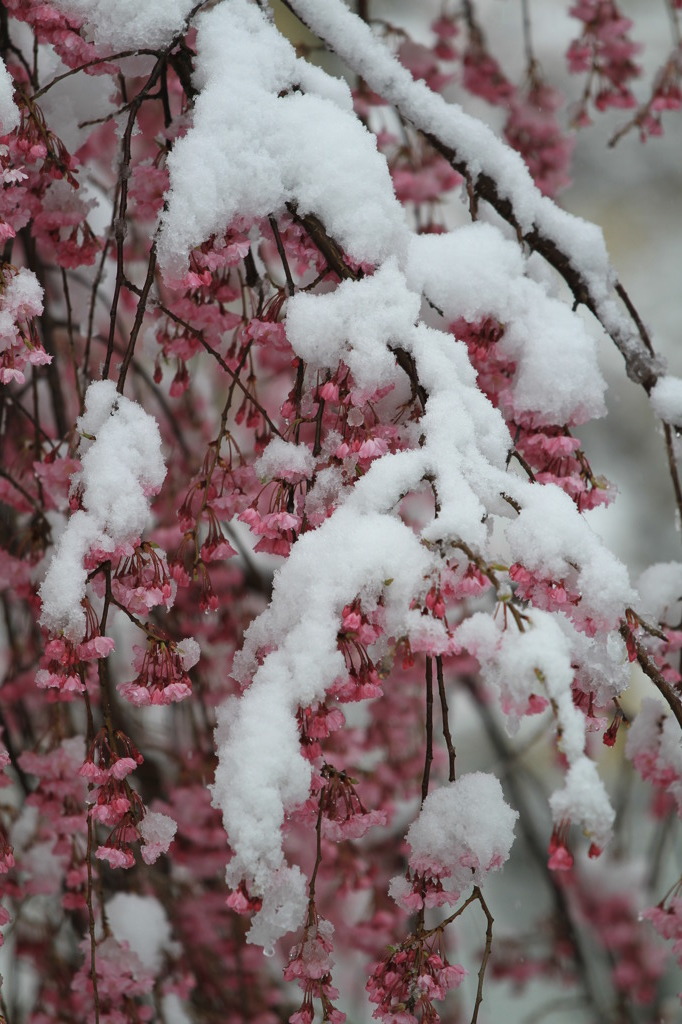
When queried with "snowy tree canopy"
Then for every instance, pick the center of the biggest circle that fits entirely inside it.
(294, 365)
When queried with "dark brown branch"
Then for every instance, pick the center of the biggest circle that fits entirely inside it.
(446, 721)
(291, 288)
(651, 671)
(331, 250)
(486, 952)
(139, 317)
(672, 466)
(120, 225)
(428, 756)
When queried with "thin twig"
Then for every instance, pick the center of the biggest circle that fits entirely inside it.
(672, 466)
(291, 288)
(91, 919)
(428, 756)
(446, 722)
(139, 317)
(216, 355)
(486, 952)
(90, 64)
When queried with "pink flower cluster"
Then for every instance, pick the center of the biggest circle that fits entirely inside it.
(65, 665)
(21, 301)
(110, 760)
(613, 919)
(310, 964)
(344, 816)
(409, 978)
(162, 668)
(606, 53)
(142, 580)
(533, 130)
(666, 917)
(550, 450)
(359, 630)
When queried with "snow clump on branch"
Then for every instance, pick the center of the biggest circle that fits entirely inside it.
(121, 467)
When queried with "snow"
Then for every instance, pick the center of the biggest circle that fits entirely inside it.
(128, 24)
(466, 271)
(189, 651)
(9, 112)
(121, 467)
(550, 537)
(290, 655)
(355, 323)
(540, 661)
(666, 399)
(465, 830)
(237, 158)
(660, 591)
(285, 461)
(158, 831)
(22, 298)
(261, 773)
(476, 272)
(140, 921)
(583, 800)
(465, 438)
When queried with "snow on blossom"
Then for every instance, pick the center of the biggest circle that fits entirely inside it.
(666, 399)
(126, 24)
(9, 113)
(236, 159)
(23, 295)
(121, 466)
(356, 323)
(463, 831)
(465, 438)
(548, 536)
(141, 923)
(600, 662)
(158, 831)
(527, 667)
(282, 460)
(261, 773)
(539, 330)
(189, 651)
(583, 800)
(21, 300)
(515, 664)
